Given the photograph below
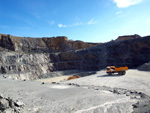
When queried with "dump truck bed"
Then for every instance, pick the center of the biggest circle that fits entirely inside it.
(121, 69)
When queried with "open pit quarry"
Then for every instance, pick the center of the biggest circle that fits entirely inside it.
(34, 72)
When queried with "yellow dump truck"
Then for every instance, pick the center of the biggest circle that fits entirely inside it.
(120, 70)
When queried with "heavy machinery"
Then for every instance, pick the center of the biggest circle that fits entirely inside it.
(74, 77)
(120, 70)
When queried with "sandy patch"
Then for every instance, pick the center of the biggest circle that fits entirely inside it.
(60, 86)
(54, 79)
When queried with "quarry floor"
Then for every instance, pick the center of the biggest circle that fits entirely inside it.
(97, 93)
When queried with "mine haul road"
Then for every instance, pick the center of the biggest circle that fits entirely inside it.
(97, 93)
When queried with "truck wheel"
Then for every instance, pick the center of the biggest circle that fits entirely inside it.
(109, 73)
(123, 72)
(119, 73)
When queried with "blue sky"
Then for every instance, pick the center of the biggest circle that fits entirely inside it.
(86, 20)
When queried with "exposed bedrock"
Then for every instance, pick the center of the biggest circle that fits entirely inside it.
(34, 58)
(25, 66)
(128, 37)
(40, 45)
(131, 53)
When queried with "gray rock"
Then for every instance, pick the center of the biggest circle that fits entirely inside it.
(11, 102)
(4, 104)
(1, 96)
(145, 67)
(8, 111)
(19, 103)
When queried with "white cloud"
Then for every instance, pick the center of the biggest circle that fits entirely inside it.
(119, 12)
(72, 25)
(61, 25)
(126, 3)
(51, 22)
(78, 23)
(91, 22)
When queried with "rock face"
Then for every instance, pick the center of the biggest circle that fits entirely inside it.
(40, 45)
(32, 58)
(131, 53)
(128, 37)
(25, 66)
(29, 58)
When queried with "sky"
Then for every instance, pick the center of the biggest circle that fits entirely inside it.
(86, 20)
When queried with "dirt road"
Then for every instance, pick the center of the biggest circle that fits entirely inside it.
(133, 80)
(98, 93)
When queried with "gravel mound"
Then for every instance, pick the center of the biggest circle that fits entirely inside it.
(145, 67)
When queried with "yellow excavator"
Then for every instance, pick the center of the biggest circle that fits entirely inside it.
(120, 70)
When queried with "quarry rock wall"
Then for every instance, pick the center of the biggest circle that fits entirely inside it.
(131, 53)
(25, 66)
(18, 62)
(40, 45)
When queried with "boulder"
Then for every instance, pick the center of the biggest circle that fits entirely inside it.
(4, 104)
(19, 104)
(7, 105)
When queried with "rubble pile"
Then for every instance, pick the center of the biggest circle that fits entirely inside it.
(8, 105)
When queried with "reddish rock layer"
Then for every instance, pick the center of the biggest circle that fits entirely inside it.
(128, 37)
(46, 44)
